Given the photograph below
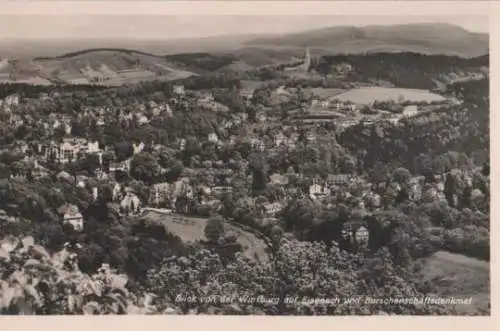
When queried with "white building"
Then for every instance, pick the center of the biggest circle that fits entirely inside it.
(362, 235)
(95, 193)
(318, 191)
(117, 192)
(160, 193)
(257, 144)
(246, 94)
(212, 137)
(142, 120)
(339, 179)
(138, 147)
(182, 144)
(72, 216)
(179, 89)
(278, 179)
(130, 204)
(69, 149)
(279, 139)
(11, 100)
(272, 209)
(410, 111)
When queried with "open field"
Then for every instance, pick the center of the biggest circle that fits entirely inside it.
(325, 93)
(367, 95)
(193, 229)
(253, 84)
(36, 80)
(460, 276)
(136, 75)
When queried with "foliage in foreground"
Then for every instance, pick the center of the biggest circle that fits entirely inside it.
(202, 283)
(36, 282)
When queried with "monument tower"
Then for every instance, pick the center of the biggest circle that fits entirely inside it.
(307, 60)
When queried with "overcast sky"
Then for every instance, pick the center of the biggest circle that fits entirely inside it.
(166, 21)
(168, 27)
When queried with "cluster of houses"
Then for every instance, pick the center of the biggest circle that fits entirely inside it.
(169, 195)
(333, 104)
(69, 150)
(9, 102)
(283, 136)
(166, 195)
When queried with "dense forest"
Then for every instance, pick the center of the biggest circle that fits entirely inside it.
(202, 61)
(409, 70)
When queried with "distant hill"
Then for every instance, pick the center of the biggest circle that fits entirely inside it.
(238, 66)
(202, 62)
(426, 38)
(162, 60)
(106, 66)
(261, 56)
(236, 60)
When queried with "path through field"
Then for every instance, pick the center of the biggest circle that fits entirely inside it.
(191, 229)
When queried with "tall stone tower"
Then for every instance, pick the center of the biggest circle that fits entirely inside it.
(307, 60)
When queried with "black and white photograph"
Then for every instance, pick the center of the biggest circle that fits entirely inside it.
(157, 163)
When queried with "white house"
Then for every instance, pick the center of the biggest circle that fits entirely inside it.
(212, 137)
(410, 111)
(95, 192)
(159, 193)
(362, 235)
(206, 99)
(477, 193)
(282, 90)
(279, 139)
(339, 179)
(261, 117)
(72, 216)
(221, 189)
(272, 209)
(138, 147)
(69, 149)
(179, 89)
(81, 181)
(67, 128)
(257, 144)
(20, 146)
(143, 119)
(168, 110)
(117, 192)
(317, 191)
(93, 147)
(3, 215)
(311, 137)
(246, 94)
(100, 121)
(130, 204)
(182, 144)
(278, 179)
(11, 100)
